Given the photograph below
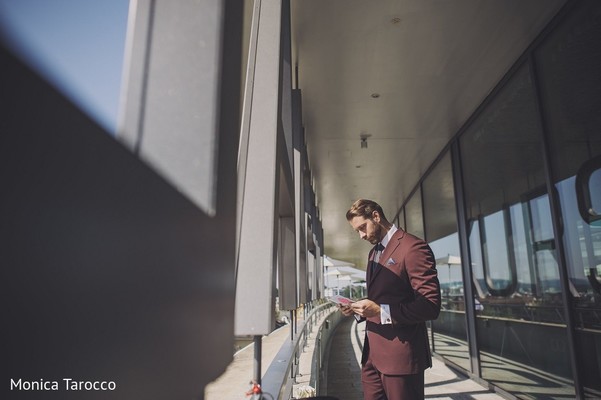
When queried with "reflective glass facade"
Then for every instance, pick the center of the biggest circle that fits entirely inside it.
(450, 338)
(568, 64)
(524, 235)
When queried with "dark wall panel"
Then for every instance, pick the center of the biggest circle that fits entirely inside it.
(108, 273)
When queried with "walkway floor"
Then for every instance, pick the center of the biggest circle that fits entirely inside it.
(235, 381)
(344, 372)
(344, 379)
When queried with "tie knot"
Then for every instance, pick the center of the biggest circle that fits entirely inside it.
(379, 247)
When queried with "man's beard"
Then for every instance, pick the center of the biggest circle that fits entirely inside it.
(377, 235)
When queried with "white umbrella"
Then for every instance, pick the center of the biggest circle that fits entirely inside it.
(337, 263)
(359, 276)
(338, 273)
(449, 260)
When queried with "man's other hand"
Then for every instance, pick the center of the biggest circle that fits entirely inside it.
(365, 308)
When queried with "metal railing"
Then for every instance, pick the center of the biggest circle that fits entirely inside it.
(280, 376)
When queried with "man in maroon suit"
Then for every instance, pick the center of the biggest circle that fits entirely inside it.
(403, 293)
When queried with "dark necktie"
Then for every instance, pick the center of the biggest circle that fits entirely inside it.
(377, 253)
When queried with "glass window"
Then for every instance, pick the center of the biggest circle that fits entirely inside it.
(401, 219)
(449, 330)
(497, 268)
(514, 263)
(522, 253)
(568, 65)
(414, 216)
(439, 201)
(594, 187)
(476, 259)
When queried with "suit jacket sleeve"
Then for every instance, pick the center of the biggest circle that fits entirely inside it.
(424, 305)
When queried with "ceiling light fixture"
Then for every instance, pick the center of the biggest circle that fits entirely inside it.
(364, 137)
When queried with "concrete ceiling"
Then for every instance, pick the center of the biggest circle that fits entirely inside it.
(405, 73)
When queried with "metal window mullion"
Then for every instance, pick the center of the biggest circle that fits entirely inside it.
(556, 218)
(466, 262)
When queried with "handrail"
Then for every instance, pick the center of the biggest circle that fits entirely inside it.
(279, 374)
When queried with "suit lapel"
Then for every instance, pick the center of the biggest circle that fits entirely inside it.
(395, 241)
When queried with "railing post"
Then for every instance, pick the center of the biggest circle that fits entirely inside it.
(257, 361)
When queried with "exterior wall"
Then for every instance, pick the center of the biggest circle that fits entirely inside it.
(116, 267)
(108, 272)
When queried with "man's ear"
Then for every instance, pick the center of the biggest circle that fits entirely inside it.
(375, 216)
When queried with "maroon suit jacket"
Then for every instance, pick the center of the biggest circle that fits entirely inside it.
(406, 279)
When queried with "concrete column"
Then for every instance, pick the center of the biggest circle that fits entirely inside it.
(258, 212)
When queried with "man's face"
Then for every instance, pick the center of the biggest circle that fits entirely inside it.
(368, 229)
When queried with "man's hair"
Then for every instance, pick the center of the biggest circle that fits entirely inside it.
(364, 208)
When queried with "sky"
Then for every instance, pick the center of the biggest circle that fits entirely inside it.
(77, 45)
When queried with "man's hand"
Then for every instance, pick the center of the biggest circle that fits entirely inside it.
(365, 308)
(346, 310)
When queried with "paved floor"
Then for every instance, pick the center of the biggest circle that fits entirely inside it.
(343, 380)
(235, 381)
(344, 373)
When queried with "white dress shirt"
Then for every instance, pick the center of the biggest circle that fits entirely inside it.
(385, 318)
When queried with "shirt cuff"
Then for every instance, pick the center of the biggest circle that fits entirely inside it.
(385, 318)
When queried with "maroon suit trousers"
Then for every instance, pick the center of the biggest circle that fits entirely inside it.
(378, 386)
